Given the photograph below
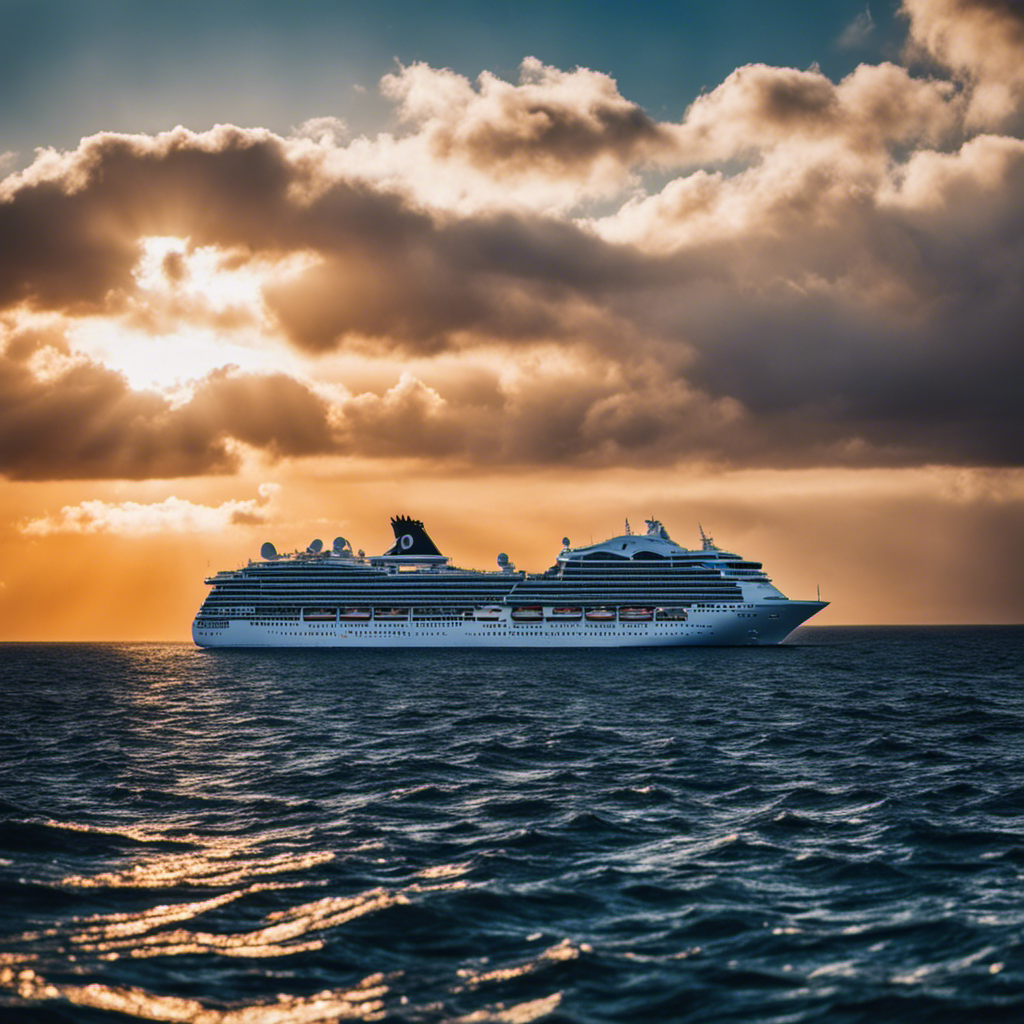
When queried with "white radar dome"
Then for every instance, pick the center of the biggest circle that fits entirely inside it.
(340, 544)
(565, 542)
(268, 551)
(316, 546)
(503, 559)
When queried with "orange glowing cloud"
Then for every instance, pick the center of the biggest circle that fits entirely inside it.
(794, 290)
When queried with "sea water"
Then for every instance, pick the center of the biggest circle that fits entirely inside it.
(830, 830)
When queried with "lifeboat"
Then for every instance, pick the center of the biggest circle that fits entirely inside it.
(636, 614)
(600, 614)
(391, 614)
(354, 614)
(565, 615)
(532, 614)
(320, 615)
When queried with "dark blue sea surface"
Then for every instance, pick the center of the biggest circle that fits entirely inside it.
(831, 830)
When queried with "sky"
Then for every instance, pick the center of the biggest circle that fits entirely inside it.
(521, 270)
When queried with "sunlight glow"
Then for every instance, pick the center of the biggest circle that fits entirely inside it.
(200, 309)
(221, 278)
(173, 363)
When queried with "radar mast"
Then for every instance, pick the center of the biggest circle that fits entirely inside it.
(655, 529)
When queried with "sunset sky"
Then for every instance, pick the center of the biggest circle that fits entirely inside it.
(521, 270)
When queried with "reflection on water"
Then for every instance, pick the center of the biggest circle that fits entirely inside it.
(564, 950)
(520, 1013)
(364, 1001)
(219, 864)
(147, 933)
(826, 832)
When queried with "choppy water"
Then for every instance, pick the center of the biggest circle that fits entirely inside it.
(828, 831)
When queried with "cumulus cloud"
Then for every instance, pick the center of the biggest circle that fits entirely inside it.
(135, 519)
(760, 109)
(67, 417)
(326, 130)
(81, 420)
(380, 267)
(552, 123)
(827, 273)
(983, 41)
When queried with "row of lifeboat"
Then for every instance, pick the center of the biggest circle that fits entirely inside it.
(600, 614)
(353, 614)
(522, 614)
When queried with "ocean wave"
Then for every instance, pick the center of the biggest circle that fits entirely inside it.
(669, 836)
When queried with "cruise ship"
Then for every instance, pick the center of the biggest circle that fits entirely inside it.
(633, 590)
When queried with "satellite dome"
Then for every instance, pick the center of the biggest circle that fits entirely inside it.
(340, 544)
(503, 559)
(316, 546)
(268, 551)
(565, 542)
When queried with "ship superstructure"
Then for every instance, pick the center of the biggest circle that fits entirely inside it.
(636, 589)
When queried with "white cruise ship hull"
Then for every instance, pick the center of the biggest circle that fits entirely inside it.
(747, 625)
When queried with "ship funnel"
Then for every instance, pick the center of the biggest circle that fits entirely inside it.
(411, 538)
(268, 551)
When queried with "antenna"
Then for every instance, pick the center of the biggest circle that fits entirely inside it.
(706, 541)
(628, 530)
(819, 591)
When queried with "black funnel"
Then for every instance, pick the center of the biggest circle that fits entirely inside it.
(410, 538)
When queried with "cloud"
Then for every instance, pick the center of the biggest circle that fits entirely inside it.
(81, 420)
(134, 519)
(272, 412)
(326, 130)
(822, 273)
(858, 31)
(981, 40)
(553, 123)
(760, 109)
(65, 417)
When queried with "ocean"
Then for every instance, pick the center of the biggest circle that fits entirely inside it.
(831, 830)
